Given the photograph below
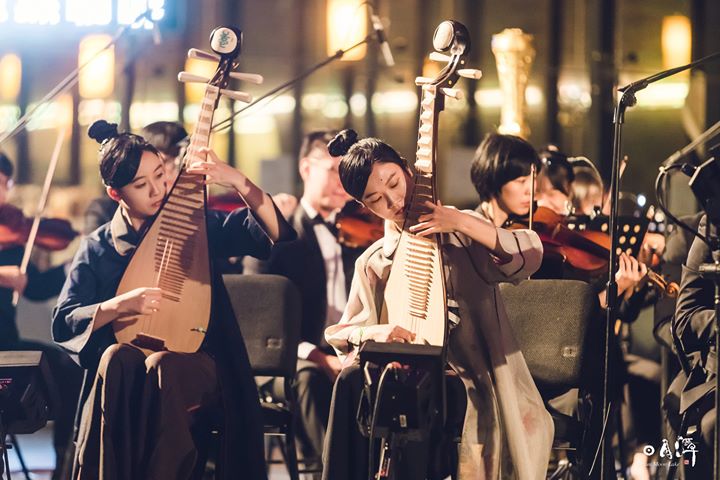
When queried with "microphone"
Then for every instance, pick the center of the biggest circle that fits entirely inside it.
(382, 40)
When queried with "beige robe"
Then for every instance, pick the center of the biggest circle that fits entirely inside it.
(507, 431)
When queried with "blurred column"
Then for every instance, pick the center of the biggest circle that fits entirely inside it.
(553, 71)
(704, 17)
(601, 48)
(473, 13)
(299, 87)
(74, 175)
(22, 163)
(128, 75)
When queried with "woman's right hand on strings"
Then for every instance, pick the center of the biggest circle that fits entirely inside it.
(388, 333)
(140, 301)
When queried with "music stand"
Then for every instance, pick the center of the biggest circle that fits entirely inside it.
(26, 393)
(631, 230)
(404, 393)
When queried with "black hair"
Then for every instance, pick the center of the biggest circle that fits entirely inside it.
(315, 139)
(169, 138)
(498, 160)
(358, 158)
(558, 169)
(6, 166)
(120, 153)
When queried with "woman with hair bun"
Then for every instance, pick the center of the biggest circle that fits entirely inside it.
(503, 405)
(137, 412)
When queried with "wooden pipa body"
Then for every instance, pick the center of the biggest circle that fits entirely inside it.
(415, 295)
(173, 252)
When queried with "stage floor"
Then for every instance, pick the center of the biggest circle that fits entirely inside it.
(39, 457)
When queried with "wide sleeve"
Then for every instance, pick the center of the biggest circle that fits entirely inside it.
(239, 233)
(361, 311)
(526, 250)
(523, 247)
(72, 317)
(694, 312)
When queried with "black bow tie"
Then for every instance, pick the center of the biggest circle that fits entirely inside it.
(330, 225)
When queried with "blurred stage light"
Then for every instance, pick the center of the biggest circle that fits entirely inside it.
(676, 41)
(88, 12)
(143, 113)
(128, 11)
(97, 79)
(194, 92)
(346, 26)
(10, 77)
(37, 12)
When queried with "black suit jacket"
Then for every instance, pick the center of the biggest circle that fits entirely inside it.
(302, 262)
(695, 324)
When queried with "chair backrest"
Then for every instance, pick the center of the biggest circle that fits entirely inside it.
(558, 328)
(268, 310)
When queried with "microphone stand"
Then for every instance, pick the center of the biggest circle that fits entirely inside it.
(223, 124)
(628, 99)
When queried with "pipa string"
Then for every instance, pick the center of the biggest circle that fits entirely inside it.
(164, 260)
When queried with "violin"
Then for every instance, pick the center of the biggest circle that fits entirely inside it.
(357, 226)
(587, 251)
(53, 233)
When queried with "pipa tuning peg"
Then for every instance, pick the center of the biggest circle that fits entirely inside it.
(453, 93)
(439, 57)
(186, 77)
(203, 55)
(422, 80)
(247, 77)
(470, 73)
(237, 95)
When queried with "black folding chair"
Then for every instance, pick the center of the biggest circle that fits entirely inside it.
(560, 333)
(268, 310)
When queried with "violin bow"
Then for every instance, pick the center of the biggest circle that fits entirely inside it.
(606, 197)
(533, 174)
(40, 209)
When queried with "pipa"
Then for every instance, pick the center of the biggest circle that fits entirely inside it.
(415, 297)
(173, 252)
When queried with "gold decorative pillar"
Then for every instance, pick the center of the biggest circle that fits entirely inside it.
(514, 55)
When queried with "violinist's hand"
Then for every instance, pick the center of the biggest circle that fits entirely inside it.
(286, 203)
(440, 220)
(630, 273)
(217, 172)
(388, 333)
(653, 244)
(10, 277)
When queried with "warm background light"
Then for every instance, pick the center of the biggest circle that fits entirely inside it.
(97, 79)
(10, 77)
(676, 41)
(194, 92)
(346, 26)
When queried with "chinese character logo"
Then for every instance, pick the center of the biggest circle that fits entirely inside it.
(224, 38)
(685, 448)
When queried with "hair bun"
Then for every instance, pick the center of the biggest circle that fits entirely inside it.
(101, 130)
(342, 142)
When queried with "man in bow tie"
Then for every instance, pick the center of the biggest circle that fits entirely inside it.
(322, 269)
